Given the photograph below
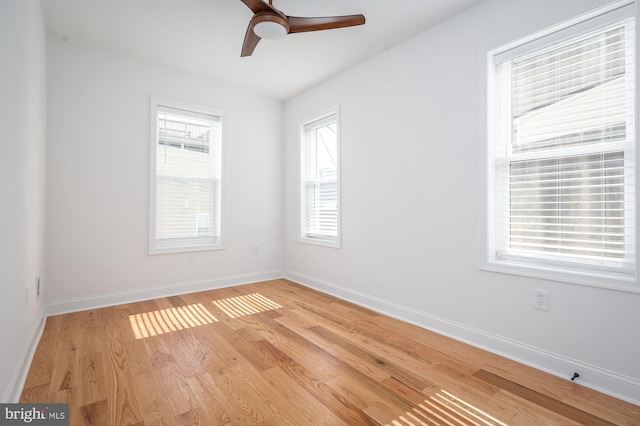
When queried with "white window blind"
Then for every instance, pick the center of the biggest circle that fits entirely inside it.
(186, 180)
(319, 180)
(564, 155)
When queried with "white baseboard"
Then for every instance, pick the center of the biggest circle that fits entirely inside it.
(121, 297)
(593, 377)
(14, 389)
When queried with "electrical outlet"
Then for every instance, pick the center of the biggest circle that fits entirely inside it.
(542, 300)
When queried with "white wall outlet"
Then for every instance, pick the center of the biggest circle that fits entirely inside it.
(542, 300)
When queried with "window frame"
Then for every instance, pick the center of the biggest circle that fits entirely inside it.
(536, 42)
(187, 244)
(303, 236)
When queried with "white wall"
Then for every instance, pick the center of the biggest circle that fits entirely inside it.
(413, 119)
(22, 186)
(98, 181)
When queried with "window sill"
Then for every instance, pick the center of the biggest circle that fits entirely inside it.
(319, 242)
(171, 250)
(606, 280)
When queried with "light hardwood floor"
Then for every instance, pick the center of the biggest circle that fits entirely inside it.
(277, 353)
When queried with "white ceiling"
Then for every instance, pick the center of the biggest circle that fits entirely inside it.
(205, 36)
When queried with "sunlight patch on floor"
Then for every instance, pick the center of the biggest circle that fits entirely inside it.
(446, 408)
(172, 319)
(245, 305)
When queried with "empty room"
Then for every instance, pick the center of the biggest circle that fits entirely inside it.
(319, 212)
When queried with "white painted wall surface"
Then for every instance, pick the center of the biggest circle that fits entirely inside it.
(412, 138)
(98, 181)
(22, 185)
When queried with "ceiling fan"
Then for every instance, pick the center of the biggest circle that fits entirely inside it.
(268, 22)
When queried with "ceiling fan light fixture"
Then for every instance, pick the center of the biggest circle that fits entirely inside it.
(270, 30)
(270, 23)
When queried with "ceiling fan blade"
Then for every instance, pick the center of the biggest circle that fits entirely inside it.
(250, 42)
(301, 25)
(258, 6)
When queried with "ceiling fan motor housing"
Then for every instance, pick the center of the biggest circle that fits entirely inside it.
(270, 26)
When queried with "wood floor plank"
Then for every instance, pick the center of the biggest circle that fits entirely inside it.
(468, 391)
(369, 361)
(241, 395)
(303, 351)
(219, 351)
(64, 374)
(542, 400)
(277, 353)
(365, 391)
(113, 321)
(123, 406)
(277, 409)
(35, 394)
(361, 394)
(215, 405)
(96, 414)
(313, 410)
(182, 353)
(91, 341)
(269, 355)
(533, 415)
(70, 396)
(199, 349)
(328, 396)
(404, 391)
(471, 410)
(91, 386)
(360, 362)
(419, 347)
(250, 334)
(175, 385)
(438, 405)
(386, 414)
(65, 369)
(536, 380)
(152, 400)
(192, 418)
(609, 408)
(42, 364)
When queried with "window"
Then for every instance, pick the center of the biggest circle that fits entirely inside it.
(562, 150)
(320, 189)
(186, 161)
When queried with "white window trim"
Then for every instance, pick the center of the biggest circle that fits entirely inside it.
(489, 262)
(302, 238)
(155, 103)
